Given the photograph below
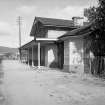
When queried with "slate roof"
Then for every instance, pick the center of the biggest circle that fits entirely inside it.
(79, 31)
(52, 24)
(55, 22)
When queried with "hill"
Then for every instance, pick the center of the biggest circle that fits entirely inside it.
(7, 50)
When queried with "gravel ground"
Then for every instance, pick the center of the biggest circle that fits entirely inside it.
(23, 85)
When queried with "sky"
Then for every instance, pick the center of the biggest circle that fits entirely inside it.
(28, 9)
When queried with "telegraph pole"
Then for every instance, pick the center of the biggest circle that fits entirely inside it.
(19, 24)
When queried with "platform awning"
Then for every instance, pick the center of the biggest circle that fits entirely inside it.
(43, 42)
(46, 39)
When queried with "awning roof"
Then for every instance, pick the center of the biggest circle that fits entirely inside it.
(84, 30)
(27, 45)
(43, 42)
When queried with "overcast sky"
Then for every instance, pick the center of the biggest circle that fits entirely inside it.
(28, 9)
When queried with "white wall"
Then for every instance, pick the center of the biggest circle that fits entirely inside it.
(55, 34)
(76, 51)
(73, 54)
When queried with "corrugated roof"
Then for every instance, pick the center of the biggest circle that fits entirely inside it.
(27, 45)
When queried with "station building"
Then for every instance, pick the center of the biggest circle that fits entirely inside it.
(59, 43)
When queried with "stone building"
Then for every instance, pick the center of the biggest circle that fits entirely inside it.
(58, 43)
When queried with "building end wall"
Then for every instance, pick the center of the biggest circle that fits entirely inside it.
(73, 55)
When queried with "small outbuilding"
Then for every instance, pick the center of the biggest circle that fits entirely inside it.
(76, 57)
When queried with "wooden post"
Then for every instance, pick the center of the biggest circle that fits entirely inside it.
(19, 22)
(90, 61)
(32, 56)
(38, 54)
(90, 65)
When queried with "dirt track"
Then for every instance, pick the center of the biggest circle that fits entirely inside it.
(21, 85)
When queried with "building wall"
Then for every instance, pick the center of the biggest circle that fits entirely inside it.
(35, 56)
(51, 57)
(41, 32)
(54, 33)
(42, 56)
(60, 47)
(66, 55)
(44, 32)
(74, 55)
(30, 56)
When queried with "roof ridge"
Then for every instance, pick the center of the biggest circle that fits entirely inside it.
(36, 17)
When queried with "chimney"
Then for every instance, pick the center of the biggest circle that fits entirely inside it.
(78, 21)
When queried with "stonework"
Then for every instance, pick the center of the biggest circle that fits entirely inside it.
(73, 55)
(58, 49)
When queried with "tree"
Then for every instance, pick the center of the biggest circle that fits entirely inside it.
(96, 16)
(90, 13)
